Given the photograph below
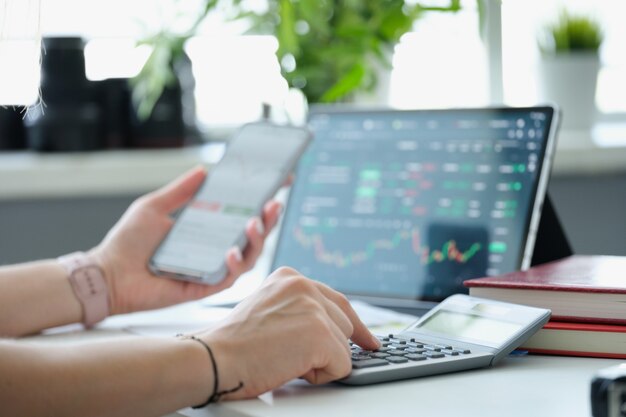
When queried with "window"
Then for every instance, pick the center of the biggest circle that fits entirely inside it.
(442, 63)
(521, 24)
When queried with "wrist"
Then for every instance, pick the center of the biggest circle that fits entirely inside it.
(230, 365)
(196, 370)
(89, 285)
(100, 258)
(217, 392)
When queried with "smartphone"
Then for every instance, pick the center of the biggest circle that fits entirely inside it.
(256, 164)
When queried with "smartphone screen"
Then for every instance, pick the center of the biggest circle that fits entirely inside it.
(256, 163)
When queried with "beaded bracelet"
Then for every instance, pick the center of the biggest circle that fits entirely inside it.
(216, 395)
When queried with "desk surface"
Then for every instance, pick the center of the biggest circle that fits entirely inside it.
(520, 386)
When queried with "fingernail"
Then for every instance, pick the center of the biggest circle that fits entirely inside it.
(259, 226)
(237, 254)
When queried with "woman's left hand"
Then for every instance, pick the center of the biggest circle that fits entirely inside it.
(125, 251)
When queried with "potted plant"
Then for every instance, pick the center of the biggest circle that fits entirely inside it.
(569, 67)
(329, 49)
(334, 49)
(165, 60)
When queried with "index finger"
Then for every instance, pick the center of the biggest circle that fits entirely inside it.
(271, 212)
(361, 334)
(179, 192)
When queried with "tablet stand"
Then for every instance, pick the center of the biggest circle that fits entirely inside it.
(551, 242)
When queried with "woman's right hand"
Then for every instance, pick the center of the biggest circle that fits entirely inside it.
(291, 327)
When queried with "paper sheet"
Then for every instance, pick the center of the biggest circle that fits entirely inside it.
(197, 315)
(167, 322)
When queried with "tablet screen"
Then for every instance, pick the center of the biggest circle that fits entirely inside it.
(408, 204)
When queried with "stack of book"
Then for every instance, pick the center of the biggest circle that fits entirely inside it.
(587, 296)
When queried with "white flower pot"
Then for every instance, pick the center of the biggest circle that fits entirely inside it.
(569, 80)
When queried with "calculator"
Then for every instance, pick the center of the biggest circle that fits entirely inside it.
(460, 333)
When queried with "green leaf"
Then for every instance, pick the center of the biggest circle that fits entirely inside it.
(317, 14)
(482, 17)
(345, 41)
(395, 23)
(572, 33)
(346, 84)
(287, 37)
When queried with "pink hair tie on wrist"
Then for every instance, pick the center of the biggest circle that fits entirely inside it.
(89, 286)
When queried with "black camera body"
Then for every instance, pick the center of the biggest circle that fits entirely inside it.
(608, 392)
(77, 114)
(12, 136)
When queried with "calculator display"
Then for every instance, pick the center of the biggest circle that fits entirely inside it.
(471, 326)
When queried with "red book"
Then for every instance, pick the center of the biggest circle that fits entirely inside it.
(579, 339)
(578, 288)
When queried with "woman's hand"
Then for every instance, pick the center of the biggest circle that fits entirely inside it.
(126, 249)
(291, 327)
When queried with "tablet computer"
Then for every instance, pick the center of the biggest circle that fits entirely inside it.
(398, 208)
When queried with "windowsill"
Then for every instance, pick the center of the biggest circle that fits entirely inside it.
(599, 151)
(26, 175)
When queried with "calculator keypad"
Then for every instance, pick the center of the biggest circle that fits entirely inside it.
(396, 350)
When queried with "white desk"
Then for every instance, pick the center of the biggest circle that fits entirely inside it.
(520, 386)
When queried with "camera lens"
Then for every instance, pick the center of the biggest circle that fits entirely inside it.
(70, 119)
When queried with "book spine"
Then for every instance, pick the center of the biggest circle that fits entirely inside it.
(575, 353)
(485, 292)
(588, 320)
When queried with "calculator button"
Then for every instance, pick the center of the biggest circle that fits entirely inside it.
(379, 355)
(398, 341)
(398, 346)
(369, 363)
(385, 344)
(433, 355)
(414, 350)
(415, 344)
(464, 351)
(357, 357)
(396, 352)
(450, 352)
(415, 357)
(396, 359)
(383, 349)
(432, 348)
